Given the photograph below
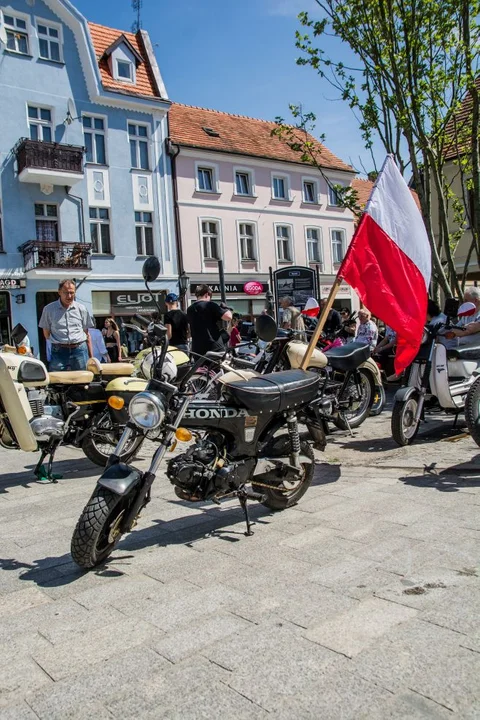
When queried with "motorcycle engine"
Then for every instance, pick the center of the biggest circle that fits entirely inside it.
(193, 470)
(47, 421)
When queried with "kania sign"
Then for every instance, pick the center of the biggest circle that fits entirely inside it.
(129, 303)
(251, 287)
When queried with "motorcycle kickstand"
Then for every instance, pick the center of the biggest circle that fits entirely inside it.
(45, 474)
(242, 496)
(345, 419)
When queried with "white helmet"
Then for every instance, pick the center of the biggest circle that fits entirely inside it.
(169, 370)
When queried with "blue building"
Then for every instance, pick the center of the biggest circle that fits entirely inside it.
(85, 182)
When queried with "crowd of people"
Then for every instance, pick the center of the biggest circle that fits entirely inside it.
(72, 336)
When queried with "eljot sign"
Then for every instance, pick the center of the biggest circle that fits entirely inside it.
(129, 303)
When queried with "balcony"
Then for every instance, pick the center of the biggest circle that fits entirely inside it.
(40, 255)
(48, 163)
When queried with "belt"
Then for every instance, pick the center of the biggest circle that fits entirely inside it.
(69, 345)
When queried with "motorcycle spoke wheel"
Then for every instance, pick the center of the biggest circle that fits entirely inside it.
(288, 492)
(404, 427)
(102, 440)
(358, 405)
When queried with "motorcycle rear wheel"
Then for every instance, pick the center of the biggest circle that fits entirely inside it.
(97, 531)
(101, 441)
(404, 431)
(472, 411)
(279, 499)
(379, 400)
(358, 414)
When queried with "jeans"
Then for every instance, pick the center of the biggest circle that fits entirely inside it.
(64, 358)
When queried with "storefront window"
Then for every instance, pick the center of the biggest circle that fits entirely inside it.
(101, 303)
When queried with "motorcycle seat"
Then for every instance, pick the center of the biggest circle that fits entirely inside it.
(464, 353)
(70, 377)
(275, 392)
(215, 355)
(110, 369)
(348, 357)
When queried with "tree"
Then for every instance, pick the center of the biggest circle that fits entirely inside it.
(416, 60)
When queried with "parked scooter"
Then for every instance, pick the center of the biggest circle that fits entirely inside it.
(438, 379)
(236, 449)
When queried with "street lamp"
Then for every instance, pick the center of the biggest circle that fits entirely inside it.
(183, 283)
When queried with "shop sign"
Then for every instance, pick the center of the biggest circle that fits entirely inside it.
(252, 287)
(343, 291)
(298, 283)
(129, 303)
(9, 283)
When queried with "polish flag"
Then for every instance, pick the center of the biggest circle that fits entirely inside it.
(312, 308)
(388, 262)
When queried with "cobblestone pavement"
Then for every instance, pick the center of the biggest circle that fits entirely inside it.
(361, 602)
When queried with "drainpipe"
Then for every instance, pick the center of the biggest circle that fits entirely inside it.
(82, 218)
(173, 151)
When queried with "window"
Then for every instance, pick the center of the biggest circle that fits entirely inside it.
(94, 136)
(205, 179)
(314, 254)
(310, 194)
(338, 246)
(17, 33)
(100, 231)
(49, 41)
(333, 198)
(138, 135)
(40, 123)
(144, 233)
(284, 243)
(247, 241)
(46, 222)
(210, 240)
(279, 187)
(124, 70)
(243, 183)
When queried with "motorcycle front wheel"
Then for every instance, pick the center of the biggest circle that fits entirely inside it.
(472, 411)
(102, 439)
(285, 496)
(98, 528)
(359, 409)
(404, 427)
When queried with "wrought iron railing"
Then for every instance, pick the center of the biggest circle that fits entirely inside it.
(49, 156)
(39, 254)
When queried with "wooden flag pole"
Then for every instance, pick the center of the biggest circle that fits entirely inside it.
(321, 322)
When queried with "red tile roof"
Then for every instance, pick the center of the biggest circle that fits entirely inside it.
(102, 38)
(363, 189)
(239, 135)
(458, 129)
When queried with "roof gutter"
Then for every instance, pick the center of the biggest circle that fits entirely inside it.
(173, 151)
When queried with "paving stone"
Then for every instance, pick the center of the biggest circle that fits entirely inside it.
(352, 631)
(21, 600)
(17, 711)
(426, 659)
(121, 587)
(459, 611)
(427, 588)
(341, 572)
(18, 676)
(407, 705)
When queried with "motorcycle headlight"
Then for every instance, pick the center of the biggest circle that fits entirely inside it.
(147, 410)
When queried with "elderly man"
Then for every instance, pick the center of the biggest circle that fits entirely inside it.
(292, 317)
(367, 331)
(470, 336)
(65, 324)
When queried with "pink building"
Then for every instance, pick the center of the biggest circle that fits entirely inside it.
(244, 197)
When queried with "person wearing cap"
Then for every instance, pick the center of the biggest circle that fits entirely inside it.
(176, 322)
(469, 334)
(204, 318)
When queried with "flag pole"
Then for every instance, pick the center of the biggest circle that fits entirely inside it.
(321, 322)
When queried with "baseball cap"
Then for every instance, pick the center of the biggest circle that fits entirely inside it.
(171, 298)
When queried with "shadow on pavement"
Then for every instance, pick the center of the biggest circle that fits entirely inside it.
(82, 467)
(451, 479)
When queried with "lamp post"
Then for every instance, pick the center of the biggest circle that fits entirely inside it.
(183, 283)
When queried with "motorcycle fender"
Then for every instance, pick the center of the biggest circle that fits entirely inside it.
(120, 478)
(264, 465)
(405, 393)
(374, 369)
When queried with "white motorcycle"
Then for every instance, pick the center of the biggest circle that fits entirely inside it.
(439, 379)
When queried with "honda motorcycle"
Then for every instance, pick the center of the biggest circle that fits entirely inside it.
(439, 379)
(246, 444)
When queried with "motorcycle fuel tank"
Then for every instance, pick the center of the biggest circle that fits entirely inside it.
(26, 369)
(295, 352)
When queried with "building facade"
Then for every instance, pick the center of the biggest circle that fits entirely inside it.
(242, 196)
(85, 183)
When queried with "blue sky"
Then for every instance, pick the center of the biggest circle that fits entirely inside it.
(239, 56)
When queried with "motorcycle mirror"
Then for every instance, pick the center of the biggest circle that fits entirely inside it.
(19, 334)
(151, 269)
(451, 307)
(266, 328)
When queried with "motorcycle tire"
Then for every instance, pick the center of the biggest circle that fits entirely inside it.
(94, 452)
(357, 418)
(379, 400)
(278, 499)
(96, 534)
(402, 415)
(472, 411)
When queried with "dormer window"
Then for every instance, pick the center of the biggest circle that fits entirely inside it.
(125, 70)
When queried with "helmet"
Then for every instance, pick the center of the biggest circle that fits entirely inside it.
(169, 369)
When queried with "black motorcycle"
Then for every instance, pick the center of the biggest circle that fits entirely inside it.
(239, 449)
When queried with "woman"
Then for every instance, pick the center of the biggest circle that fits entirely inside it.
(111, 335)
(235, 337)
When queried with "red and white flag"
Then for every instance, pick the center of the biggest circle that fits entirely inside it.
(388, 262)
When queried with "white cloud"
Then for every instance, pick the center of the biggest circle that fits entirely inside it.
(290, 8)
